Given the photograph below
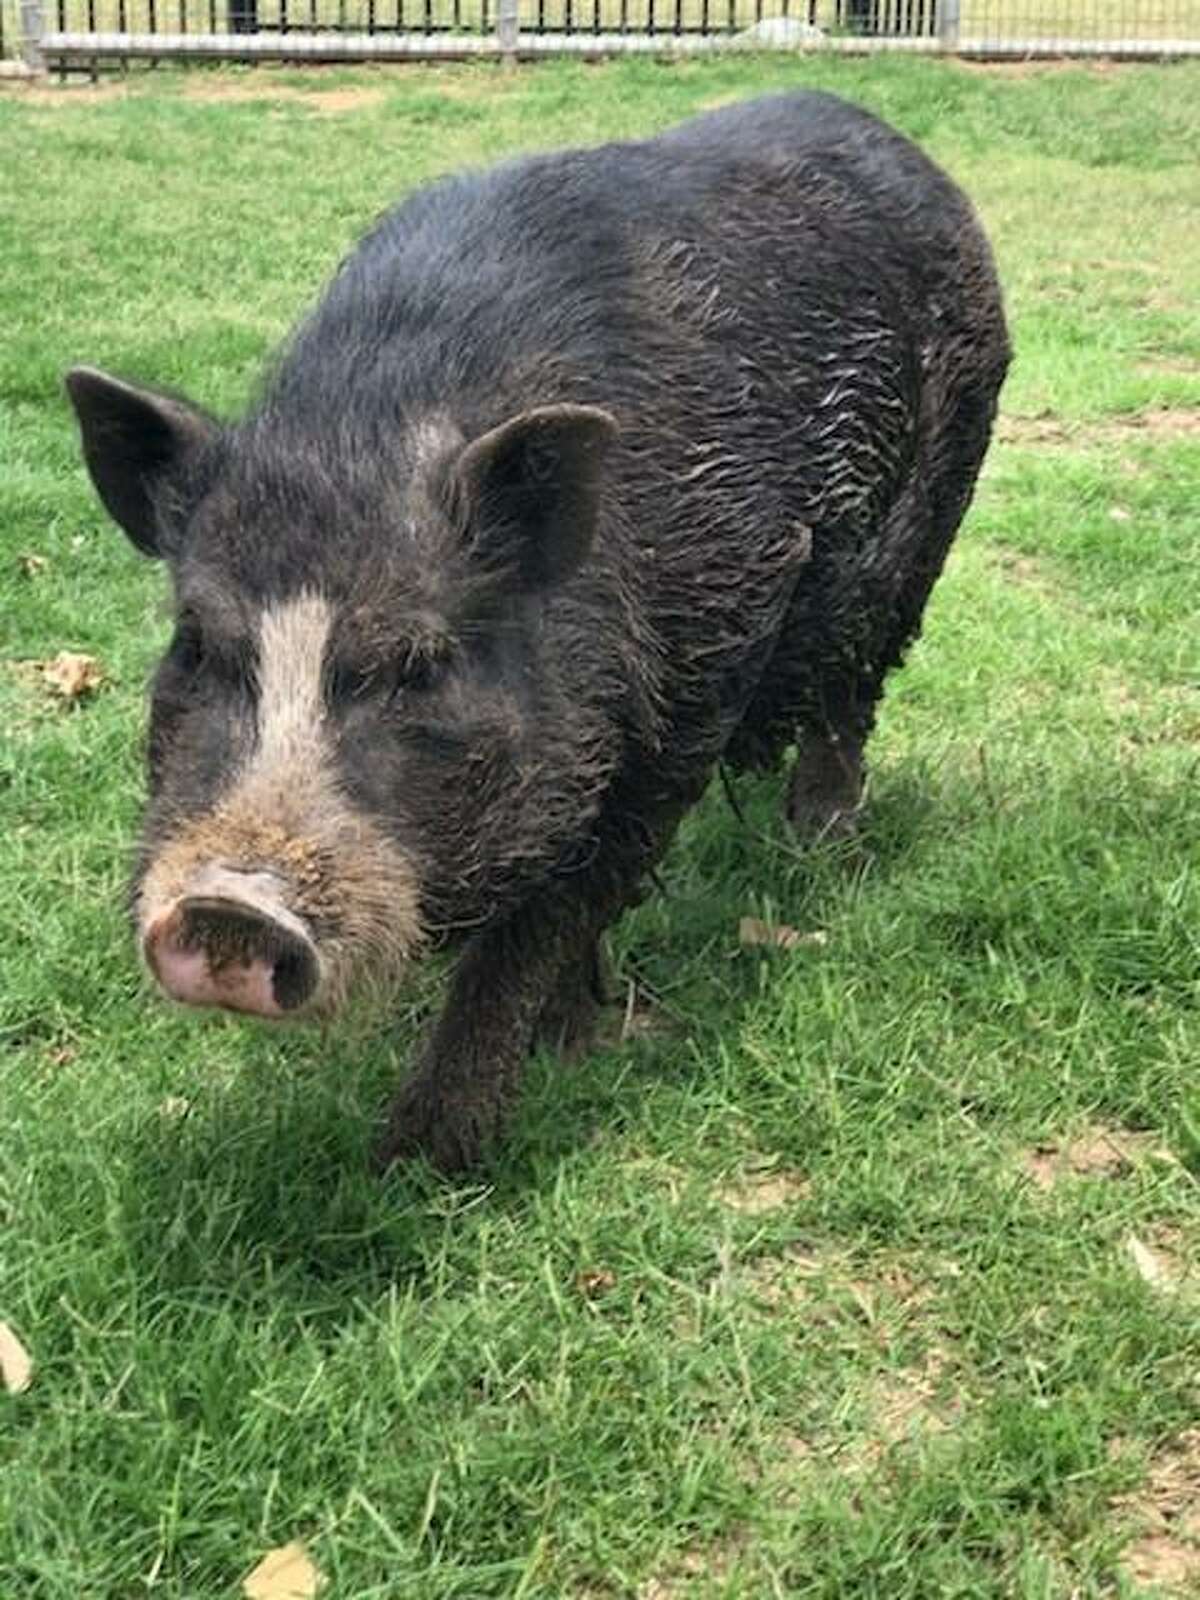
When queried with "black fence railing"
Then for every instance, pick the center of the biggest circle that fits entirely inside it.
(906, 18)
(65, 31)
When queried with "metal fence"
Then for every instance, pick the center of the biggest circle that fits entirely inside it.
(62, 33)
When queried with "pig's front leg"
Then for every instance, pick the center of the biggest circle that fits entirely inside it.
(468, 1068)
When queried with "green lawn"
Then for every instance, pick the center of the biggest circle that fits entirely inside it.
(874, 1268)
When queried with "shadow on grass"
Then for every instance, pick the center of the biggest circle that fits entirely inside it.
(268, 1180)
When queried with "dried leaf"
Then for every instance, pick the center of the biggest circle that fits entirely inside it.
(1151, 1267)
(283, 1574)
(596, 1281)
(174, 1107)
(16, 1368)
(31, 564)
(71, 675)
(751, 931)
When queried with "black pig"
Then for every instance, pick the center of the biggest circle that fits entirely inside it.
(586, 473)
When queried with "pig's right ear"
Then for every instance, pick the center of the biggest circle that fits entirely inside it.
(133, 439)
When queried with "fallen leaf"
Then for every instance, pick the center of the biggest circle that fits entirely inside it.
(16, 1368)
(1119, 514)
(283, 1574)
(174, 1107)
(71, 675)
(751, 931)
(596, 1281)
(31, 565)
(1151, 1268)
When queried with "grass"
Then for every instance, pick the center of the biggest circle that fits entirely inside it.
(822, 1288)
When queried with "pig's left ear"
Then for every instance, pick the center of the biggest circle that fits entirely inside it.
(133, 439)
(530, 491)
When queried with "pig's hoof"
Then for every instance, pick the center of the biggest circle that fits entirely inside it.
(825, 794)
(450, 1136)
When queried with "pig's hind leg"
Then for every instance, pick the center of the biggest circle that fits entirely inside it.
(569, 1018)
(844, 635)
(811, 698)
(826, 785)
(865, 624)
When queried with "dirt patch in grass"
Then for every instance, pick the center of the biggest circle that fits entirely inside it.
(337, 100)
(1152, 714)
(1161, 424)
(1168, 367)
(756, 1193)
(1031, 573)
(1101, 68)
(1162, 1256)
(910, 1405)
(830, 1289)
(1097, 1152)
(698, 1570)
(74, 94)
(1166, 1510)
(334, 101)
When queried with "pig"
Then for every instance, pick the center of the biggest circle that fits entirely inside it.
(587, 473)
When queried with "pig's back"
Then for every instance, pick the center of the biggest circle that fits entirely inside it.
(751, 240)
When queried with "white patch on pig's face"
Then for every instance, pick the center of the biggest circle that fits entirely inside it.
(291, 710)
(285, 814)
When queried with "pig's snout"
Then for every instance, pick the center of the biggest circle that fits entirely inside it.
(228, 940)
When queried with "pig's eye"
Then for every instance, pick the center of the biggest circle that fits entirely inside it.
(188, 648)
(348, 682)
(419, 672)
(406, 674)
(195, 654)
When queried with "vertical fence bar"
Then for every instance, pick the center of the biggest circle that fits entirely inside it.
(33, 27)
(947, 24)
(507, 25)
